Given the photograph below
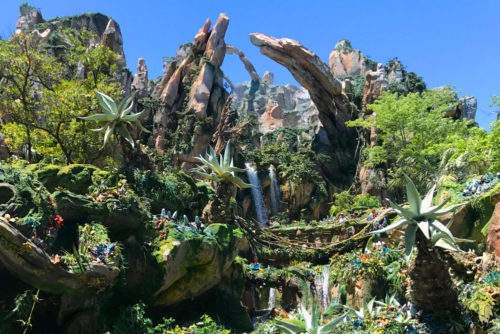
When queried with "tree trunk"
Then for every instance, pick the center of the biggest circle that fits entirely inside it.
(219, 210)
(430, 286)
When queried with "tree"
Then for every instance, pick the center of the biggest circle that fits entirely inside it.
(430, 285)
(41, 99)
(413, 133)
(222, 172)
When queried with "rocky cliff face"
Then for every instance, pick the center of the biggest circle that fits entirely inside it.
(107, 31)
(277, 106)
(192, 94)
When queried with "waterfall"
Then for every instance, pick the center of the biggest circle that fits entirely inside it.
(275, 192)
(322, 283)
(298, 142)
(272, 298)
(325, 280)
(258, 200)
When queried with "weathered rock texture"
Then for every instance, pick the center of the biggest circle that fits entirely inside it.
(334, 107)
(194, 266)
(344, 60)
(106, 29)
(192, 92)
(248, 65)
(297, 109)
(468, 107)
(140, 82)
(32, 265)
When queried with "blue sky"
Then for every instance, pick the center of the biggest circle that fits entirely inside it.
(452, 42)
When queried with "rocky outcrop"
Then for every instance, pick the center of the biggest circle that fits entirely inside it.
(334, 107)
(272, 118)
(194, 266)
(268, 78)
(344, 60)
(468, 107)
(308, 69)
(28, 17)
(107, 31)
(32, 265)
(376, 83)
(140, 82)
(296, 109)
(493, 236)
(193, 87)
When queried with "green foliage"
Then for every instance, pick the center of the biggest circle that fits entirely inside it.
(296, 168)
(312, 322)
(133, 320)
(221, 169)
(345, 202)
(480, 297)
(117, 118)
(421, 215)
(358, 87)
(42, 96)
(413, 134)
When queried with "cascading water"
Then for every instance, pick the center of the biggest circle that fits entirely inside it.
(322, 283)
(325, 282)
(272, 299)
(275, 192)
(258, 200)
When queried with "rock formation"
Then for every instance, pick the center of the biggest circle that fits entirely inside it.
(468, 107)
(272, 118)
(248, 65)
(193, 87)
(106, 29)
(140, 82)
(28, 17)
(333, 106)
(344, 60)
(376, 83)
(298, 111)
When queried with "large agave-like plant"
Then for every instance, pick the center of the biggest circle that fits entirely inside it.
(430, 285)
(312, 322)
(221, 169)
(422, 215)
(117, 117)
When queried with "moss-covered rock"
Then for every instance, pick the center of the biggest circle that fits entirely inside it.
(198, 263)
(75, 178)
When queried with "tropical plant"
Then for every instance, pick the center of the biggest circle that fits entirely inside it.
(222, 171)
(423, 231)
(117, 117)
(312, 322)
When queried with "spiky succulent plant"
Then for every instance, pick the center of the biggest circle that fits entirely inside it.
(221, 169)
(117, 117)
(421, 215)
(312, 322)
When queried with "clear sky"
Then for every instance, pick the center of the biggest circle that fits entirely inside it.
(447, 42)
